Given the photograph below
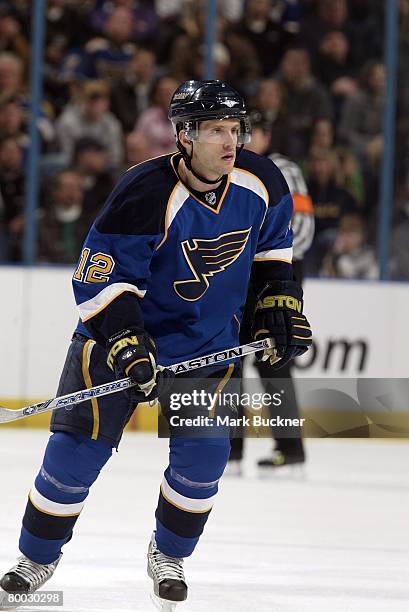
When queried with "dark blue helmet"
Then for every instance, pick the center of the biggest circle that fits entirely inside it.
(196, 101)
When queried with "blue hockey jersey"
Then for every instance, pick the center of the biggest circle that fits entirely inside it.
(184, 257)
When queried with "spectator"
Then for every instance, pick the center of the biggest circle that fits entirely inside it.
(63, 20)
(12, 86)
(330, 202)
(56, 85)
(334, 67)
(12, 182)
(244, 72)
(12, 39)
(168, 9)
(144, 17)
(350, 176)
(350, 256)
(267, 37)
(362, 118)
(64, 223)
(269, 100)
(186, 38)
(12, 121)
(306, 100)
(153, 125)
(91, 117)
(329, 15)
(288, 13)
(322, 134)
(130, 96)
(11, 75)
(221, 62)
(137, 149)
(91, 163)
(107, 58)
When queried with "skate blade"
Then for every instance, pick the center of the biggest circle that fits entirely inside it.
(163, 604)
(289, 472)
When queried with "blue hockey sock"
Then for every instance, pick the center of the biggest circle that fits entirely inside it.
(188, 491)
(71, 465)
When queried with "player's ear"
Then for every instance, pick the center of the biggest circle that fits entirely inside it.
(183, 139)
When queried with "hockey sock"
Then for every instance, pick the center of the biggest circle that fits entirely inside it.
(71, 464)
(188, 491)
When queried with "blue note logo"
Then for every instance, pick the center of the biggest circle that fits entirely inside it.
(207, 257)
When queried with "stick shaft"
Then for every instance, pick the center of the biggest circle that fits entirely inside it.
(67, 401)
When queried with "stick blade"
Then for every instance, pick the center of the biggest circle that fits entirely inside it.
(7, 415)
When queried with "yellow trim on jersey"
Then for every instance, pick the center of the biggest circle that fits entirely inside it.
(222, 197)
(101, 308)
(289, 261)
(167, 214)
(87, 379)
(150, 159)
(214, 210)
(258, 179)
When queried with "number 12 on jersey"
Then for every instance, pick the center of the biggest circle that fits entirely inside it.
(94, 269)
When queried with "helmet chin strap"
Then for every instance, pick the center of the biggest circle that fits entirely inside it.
(188, 162)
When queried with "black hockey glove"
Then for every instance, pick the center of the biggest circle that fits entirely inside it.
(132, 352)
(278, 314)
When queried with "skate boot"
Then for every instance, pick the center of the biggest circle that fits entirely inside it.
(26, 577)
(278, 459)
(288, 454)
(169, 586)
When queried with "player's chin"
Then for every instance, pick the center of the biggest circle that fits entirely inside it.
(228, 162)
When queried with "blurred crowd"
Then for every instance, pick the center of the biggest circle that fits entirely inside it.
(313, 69)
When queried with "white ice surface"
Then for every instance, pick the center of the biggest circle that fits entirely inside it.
(335, 541)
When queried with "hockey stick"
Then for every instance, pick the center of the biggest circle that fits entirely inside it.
(7, 414)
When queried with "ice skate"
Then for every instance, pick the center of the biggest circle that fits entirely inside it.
(169, 585)
(26, 577)
(283, 464)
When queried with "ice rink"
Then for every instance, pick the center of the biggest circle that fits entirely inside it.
(335, 541)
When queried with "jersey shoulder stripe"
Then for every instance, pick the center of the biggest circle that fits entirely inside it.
(251, 181)
(267, 173)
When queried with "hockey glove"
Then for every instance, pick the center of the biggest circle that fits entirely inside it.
(278, 314)
(132, 352)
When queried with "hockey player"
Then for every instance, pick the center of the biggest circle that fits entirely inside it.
(163, 278)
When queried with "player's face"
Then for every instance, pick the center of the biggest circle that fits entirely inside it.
(214, 152)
